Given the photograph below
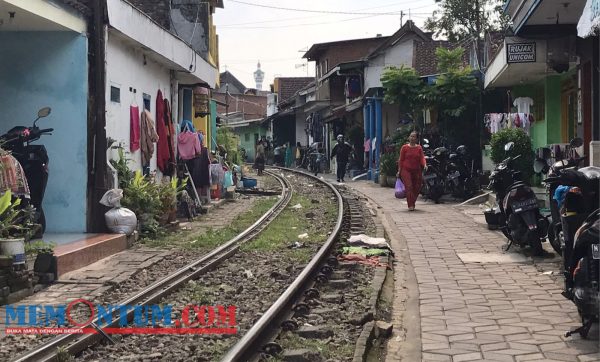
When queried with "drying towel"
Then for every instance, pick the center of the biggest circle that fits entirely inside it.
(162, 148)
(134, 128)
(148, 138)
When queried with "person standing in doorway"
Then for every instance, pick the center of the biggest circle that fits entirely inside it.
(341, 152)
(298, 154)
(410, 169)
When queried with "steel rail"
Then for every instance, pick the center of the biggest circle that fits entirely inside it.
(248, 346)
(75, 344)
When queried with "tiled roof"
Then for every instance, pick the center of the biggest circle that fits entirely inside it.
(408, 28)
(425, 60)
(227, 77)
(289, 86)
(317, 49)
(82, 6)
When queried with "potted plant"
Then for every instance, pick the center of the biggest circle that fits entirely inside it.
(16, 226)
(43, 254)
(388, 169)
(168, 192)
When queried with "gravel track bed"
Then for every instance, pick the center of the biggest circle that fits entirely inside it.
(12, 346)
(251, 280)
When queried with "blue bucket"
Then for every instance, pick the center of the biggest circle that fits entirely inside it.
(249, 182)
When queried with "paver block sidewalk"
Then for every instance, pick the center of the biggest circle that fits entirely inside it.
(500, 308)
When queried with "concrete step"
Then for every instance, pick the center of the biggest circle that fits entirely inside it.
(88, 250)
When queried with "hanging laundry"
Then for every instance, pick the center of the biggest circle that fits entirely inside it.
(147, 138)
(523, 104)
(188, 145)
(170, 136)
(134, 128)
(162, 148)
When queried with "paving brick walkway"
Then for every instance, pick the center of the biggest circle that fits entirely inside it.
(472, 307)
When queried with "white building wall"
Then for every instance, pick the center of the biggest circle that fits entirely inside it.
(401, 54)
(124, 69)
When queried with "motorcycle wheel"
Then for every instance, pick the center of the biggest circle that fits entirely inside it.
(536, 245)
(553, 238)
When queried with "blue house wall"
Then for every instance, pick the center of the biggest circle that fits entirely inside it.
(39, 69)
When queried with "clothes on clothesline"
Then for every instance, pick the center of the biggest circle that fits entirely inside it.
(134, 128)
(12, 177)
(523, 104)
(495, 122)
(148, 137)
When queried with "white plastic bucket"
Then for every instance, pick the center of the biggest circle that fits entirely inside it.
(14, 248)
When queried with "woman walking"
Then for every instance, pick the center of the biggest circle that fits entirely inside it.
(410, 169)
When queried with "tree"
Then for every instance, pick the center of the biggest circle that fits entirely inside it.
(456, 88)
(458, 20)
(404, 87)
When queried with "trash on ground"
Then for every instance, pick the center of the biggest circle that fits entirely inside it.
(303, 236)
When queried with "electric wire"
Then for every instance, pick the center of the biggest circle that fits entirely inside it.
(396, 13)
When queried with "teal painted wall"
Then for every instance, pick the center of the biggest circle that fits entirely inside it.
(40, 69)
(249, 145)
(553, 109)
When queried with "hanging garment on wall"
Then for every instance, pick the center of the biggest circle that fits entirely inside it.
(352, 89)
(188, 145)
(162, 147)
(523, 104)
(170, 137)
(134, 128)
(12, 177)
(217, 175)
(148, 137)
(204, 168)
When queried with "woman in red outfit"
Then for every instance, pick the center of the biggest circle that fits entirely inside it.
(410, 169)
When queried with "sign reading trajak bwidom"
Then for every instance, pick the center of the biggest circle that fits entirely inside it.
(520, 53)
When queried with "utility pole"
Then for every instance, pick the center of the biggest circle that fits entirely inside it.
(401, 18)
(226, 100)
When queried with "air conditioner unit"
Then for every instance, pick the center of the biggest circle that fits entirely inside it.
(561, 53)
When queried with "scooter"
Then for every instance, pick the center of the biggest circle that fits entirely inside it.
(435, 176)
(554, 171)
(33, 159)
(583, 274)
(462, 179)
(519, 216)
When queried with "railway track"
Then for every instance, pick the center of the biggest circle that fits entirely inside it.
(75, 344)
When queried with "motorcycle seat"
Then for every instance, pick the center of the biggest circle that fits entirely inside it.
(590, 172)
(517, 185)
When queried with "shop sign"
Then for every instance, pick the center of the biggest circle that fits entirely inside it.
(520, 53)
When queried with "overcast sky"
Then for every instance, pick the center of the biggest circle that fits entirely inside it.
(252, 30)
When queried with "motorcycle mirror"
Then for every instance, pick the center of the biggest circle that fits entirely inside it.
(539, 165)
(509, 146)
(576, 142)
(425, 140)
(44, 112)
(426, 145)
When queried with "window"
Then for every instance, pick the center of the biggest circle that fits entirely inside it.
(326, 65)
(115, 94)
(247, 137)
(147, 98)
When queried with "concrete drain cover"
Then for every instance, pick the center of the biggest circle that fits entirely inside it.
(492, 258)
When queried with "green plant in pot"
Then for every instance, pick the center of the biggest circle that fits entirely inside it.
(45, 261)
(16, 226)
(388, 168)
(168, 192)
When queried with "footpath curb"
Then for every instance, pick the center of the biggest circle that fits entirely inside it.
(405, 343)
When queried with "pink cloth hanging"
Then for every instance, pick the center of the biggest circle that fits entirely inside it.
(134, 128)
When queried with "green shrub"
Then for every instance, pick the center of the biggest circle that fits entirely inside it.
(522, 147)
(388, 164)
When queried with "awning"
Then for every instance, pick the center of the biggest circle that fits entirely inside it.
(590, 19)
(519, 61)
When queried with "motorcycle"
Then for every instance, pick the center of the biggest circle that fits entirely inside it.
(462, 179)
(554, 171)
(434, 178)
(315, 158)
(518, 215)
(582, 274)
(34, 160)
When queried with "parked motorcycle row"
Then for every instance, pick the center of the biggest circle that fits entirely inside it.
(34, 160)
(450, 173)
(572, 228)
